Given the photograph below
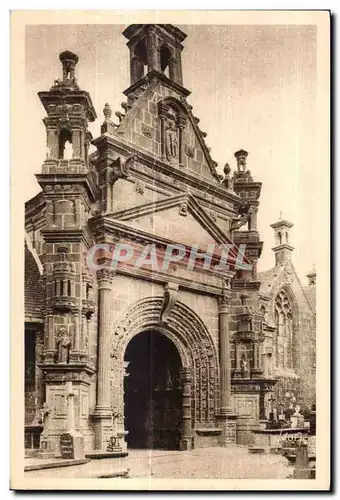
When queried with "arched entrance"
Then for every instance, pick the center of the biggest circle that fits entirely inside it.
(152, 392)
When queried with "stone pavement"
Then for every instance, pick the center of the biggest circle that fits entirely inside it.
(203, 463)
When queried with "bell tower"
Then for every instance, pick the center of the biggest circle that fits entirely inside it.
(69, 187)
(69, 110)
(155, 47)
(282, 249)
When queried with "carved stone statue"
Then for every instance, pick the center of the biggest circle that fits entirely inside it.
(64, 343)
(171, 132)
(44, 412)
(244, 366)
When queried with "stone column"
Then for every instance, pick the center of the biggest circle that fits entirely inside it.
(76, 146)
(253, 219)
(186, 441)
(238, 359)
(226, 416)
(52, 143)
(179, 77)
(103, 411)
(254, 269)
(39, 375)
(256, 356)
(152, 51)
(225, 372)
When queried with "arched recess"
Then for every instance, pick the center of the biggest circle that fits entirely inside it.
(193, 342)
(292, 314)
(173, 117)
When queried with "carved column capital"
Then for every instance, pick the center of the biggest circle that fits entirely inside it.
(224, 303)
(105, 277)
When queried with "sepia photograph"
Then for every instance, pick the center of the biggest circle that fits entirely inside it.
(170, 280)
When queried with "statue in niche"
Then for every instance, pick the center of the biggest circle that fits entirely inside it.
(64, 344)
(171, 135)
(244, 366)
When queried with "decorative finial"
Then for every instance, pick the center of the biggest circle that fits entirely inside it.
(107, 111)
(241, 158)
(227, 170)
(281, 215)
(69, 61)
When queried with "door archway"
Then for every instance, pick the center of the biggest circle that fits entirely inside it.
(152, 392)
(198, 354)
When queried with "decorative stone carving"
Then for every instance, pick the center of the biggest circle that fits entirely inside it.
(170, 298)
(120, 116)
(172, 143)
(189, 335)
(183, 209)
(120, 170)
(213, 216)
(64, 343)
(190, 151)
(245, 370)
(140, 188)
(147, 131)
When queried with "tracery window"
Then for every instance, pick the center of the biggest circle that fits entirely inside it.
(284, 331)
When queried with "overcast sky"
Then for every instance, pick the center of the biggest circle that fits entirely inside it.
(253, 87)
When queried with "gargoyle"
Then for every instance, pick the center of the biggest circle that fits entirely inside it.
(245, 212)
(240, 221)
(121, 169)
(119, 115)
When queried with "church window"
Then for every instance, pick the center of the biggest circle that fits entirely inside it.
(284, 331)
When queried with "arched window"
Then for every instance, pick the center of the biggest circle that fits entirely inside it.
(65, 144)
(279, 235)
(139, 61)
(284, 331)
(168, 63)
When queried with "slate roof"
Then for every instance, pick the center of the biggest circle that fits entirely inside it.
(34, 290)
(310, 292)
(267, 278)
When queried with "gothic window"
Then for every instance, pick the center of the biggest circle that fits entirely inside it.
(284, 331)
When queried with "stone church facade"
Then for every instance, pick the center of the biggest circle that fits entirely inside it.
(177, 357)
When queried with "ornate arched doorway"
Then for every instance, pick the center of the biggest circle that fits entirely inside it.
(198, 360)
(153, 392)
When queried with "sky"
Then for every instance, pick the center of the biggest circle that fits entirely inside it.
(252, 86)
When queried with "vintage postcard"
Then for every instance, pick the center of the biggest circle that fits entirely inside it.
(170, 250)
